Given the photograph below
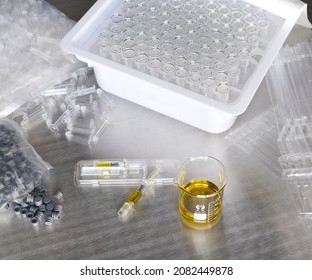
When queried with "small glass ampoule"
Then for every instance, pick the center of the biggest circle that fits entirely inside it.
(208, 72)
(222, 78)
(194, 66)
(180, 52)
(263, 26)
(234, 74)
(179, 41)
(141, 61)
(154, 52)
(167, 72)
(206, 61)
(208, 86)
(154, 65)
(195, 82)
(141, 47)
(223, 91)
(181, 62)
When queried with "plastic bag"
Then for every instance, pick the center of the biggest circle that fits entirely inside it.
(31, 59)
(21, 168)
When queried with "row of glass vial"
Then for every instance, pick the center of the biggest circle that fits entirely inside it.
(179, 56)
(204, 80)
(193, 42)
(222, 6)
(154, 17)
(156, 47)
(186, 28)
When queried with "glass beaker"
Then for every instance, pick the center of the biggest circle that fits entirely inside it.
(202, 181)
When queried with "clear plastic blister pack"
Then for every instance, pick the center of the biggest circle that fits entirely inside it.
(290, 88)
(31, 59)
(256, 141)
(21, 168)
(122, 172)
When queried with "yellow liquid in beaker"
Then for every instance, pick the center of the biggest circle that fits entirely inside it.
(198, 209)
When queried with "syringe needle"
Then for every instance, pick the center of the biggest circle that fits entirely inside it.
(138, 193)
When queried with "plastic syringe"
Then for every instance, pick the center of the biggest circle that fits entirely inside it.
(135, 197)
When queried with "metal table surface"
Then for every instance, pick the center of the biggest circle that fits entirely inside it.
(259, 220)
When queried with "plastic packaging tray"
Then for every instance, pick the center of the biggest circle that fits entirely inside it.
(197, 61)
(123, 172)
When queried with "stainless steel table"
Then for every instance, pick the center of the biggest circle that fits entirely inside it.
(259, 220)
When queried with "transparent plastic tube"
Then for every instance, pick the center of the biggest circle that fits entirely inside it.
(35, 118)
(55, 91)
(104, 99)
(95, 138)
(83, 92)
(82, 127)
(51, 109)
(65, 118)
(77, 138)
(72, 114)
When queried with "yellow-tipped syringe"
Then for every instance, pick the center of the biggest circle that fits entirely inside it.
(135, 197)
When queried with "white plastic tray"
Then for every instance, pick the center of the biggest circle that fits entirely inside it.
(214, 103)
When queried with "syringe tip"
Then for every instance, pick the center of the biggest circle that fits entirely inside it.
(125, 210)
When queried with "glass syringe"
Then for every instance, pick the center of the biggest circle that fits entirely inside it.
(135, 197)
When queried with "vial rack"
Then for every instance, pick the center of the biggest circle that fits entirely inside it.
(197, 61)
